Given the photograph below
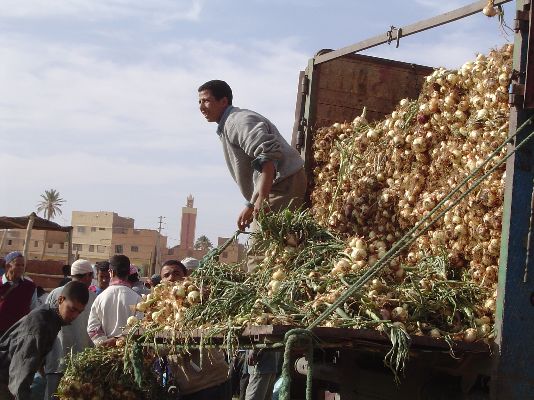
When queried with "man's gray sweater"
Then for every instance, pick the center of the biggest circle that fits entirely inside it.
(248, 140)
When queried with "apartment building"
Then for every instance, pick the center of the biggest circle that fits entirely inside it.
(233, 253)
(100, 235)
(56, 244)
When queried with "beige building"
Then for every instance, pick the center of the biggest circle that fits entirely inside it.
(100, 235)
(179, 253)
(56, 244)
(234, 253)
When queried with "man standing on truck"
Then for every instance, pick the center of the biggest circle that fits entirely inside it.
(264, 166)
(269, 172)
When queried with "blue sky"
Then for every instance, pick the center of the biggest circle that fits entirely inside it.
(99, 97)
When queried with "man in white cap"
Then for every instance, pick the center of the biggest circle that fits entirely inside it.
(137, 286)
(190, 263)
(72, 338)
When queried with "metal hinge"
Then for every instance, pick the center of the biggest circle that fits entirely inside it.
(305, 85)
(300, 134)
(521, 20)
(516, 94)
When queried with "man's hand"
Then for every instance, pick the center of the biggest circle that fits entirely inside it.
(111, 342)
(260, 204)
(245, 218)
(249, 213)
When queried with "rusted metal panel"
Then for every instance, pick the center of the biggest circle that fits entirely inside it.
(343, 87)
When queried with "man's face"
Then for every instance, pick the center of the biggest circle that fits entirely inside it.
(15, 269)
(69, 309)
(102, 278)
(87, 279)
(210, 107)
(172, 273)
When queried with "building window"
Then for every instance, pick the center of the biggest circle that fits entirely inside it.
(36, 243)
(100, 249)
(135, 249)
(77, 247)
(91, 248)
(50, 245)
(93, 229)
(80, 229)
(9, 242)
(101, 229)
(118, 249)
(62, 246)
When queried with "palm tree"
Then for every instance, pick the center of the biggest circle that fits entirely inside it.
(203, 243)
(50, 206)
(51, 203)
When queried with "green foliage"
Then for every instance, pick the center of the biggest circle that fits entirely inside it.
(50, 205)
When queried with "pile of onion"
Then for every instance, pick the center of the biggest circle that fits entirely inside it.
(372, 182)
(166, 304)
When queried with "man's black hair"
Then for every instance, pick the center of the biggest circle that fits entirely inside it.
(76, 291)
(121, 265)
(102, 265)
(218, 89)
(155, 279)
(66, 270)
(176, 263)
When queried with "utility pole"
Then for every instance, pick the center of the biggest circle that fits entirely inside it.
(156, 260)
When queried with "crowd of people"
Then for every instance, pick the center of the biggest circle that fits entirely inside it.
(89, 308)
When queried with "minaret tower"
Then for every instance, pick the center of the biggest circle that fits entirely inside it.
(189, 218)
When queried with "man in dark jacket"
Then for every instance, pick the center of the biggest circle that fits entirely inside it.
(17, 294)
(24, 346)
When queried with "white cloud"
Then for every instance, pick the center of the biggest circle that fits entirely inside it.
(440, 6)
(74, 94)
(90, 170)
(162, 11)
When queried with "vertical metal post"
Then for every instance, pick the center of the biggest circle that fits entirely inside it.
(307, 124)
(27, 239)
(513, 376)
(69, 246)
(4, 234)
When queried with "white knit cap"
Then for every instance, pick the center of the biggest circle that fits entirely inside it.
(190, 262)
(80, 267)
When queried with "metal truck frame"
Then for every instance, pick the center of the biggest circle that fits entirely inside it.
(505, 372)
